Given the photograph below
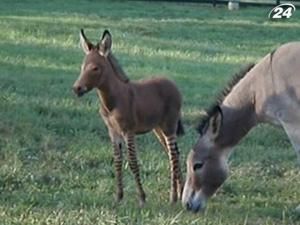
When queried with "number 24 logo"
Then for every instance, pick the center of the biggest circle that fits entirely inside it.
(285, 10)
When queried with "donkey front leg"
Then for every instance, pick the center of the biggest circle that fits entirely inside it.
(176, 177)
(133, 164)
(293, 132)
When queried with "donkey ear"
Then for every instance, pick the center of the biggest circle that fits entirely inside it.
(86, 45)
(215, 123)
(105, 44)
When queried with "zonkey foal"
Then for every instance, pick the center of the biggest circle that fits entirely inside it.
(131, 108)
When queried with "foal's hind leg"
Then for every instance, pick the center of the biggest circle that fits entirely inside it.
(173, 148)
(176, 177)
(158, 133)
(179, 182)
(133, 164)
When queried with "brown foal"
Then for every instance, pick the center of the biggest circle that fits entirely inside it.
(131, 108)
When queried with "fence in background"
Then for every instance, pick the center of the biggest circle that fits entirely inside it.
(242, 2)
(253, 2)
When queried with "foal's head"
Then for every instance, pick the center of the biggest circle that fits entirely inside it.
(206, 164)
(95, 66)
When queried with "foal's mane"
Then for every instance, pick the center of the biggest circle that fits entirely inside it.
(117, 68)
(214, 107)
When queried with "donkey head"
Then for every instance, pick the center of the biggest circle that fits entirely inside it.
(95, 64)
(206, 165)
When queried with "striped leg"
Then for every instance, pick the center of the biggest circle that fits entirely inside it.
(161, 139)
(118, 158)
(180, 182)
(116, 141)
(176, 178)
(133, 164)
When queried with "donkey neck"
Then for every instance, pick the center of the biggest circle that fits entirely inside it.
(112, 89)
(239, 115)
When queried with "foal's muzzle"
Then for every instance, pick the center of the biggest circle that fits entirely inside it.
(79, 90)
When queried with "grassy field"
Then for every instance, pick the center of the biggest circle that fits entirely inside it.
(56, 159)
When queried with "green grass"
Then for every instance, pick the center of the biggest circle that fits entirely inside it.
(56, 159)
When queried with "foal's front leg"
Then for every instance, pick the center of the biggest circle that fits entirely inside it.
(118, 159)
(133, 164)
(116, 141)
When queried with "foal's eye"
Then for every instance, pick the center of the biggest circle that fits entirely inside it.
(95, 68)
(197, 166)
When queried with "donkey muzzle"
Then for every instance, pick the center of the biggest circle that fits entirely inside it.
(193, 201)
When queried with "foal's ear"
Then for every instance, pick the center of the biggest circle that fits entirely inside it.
(86, 45)
(215, 123)
(105, 43)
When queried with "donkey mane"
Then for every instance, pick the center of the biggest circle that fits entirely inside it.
(117, 68)
(215, 106)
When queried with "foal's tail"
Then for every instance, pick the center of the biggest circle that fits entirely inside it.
(180, 129)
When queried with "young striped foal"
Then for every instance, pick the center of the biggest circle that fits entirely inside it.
(131, 108)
